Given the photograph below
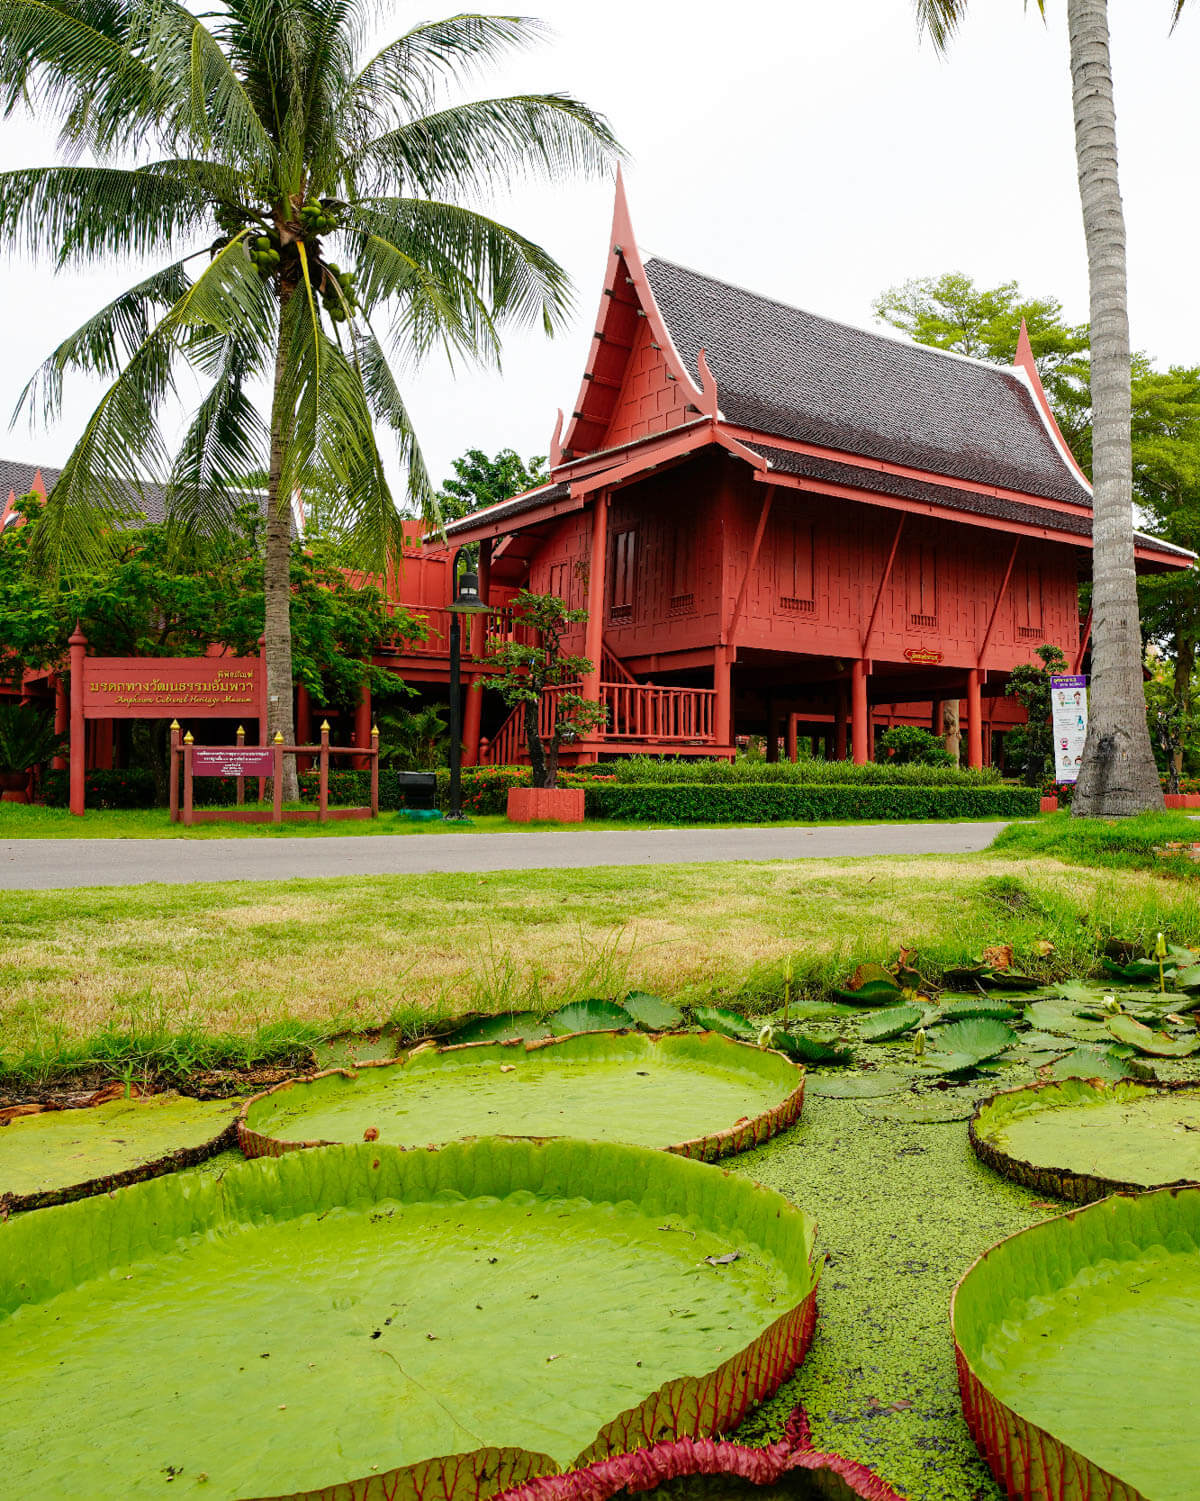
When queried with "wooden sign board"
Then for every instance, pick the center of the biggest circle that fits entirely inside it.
(237, 762)
(923, 655)
(173, 688)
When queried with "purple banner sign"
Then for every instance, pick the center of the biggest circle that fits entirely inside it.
(249, 761)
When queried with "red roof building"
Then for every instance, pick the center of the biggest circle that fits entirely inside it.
(778, 522)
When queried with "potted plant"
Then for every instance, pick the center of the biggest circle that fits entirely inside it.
(27, 739)
(544, 682)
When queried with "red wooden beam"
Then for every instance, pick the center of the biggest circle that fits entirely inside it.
(987, 635)
(739, 603)
(887, 573)
(1077, 667)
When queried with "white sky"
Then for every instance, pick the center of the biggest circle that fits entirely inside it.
(812, 150)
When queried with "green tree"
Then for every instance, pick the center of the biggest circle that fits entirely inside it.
(1030, 686)
(480, 482)
(951, 312)
(413, 739)
(539, 677)
(251, 146)
(1118, 775)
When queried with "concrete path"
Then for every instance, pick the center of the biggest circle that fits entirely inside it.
(45, 864)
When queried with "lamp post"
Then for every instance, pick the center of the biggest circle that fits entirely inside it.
(466, 602)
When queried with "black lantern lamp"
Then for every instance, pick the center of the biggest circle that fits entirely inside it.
(466, 602)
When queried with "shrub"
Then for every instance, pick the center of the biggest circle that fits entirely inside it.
(647, 769)
(765, 803)
(132, 788)
(909, 745)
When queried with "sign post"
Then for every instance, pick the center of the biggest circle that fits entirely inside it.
(1069, 717)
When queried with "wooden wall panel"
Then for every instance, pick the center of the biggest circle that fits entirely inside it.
(648, 402)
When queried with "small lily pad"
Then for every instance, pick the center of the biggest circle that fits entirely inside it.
(871, 985)
(1091, 1063)
(651, 1012)
(980, 1038)
(510, 1026)
(728, 1023)
(809, 1049)
(1157, 1044)
(965, 1010)
(588, 1016)
(883, 1026)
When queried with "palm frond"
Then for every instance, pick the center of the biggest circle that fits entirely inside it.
(431, 304)
(939, 19)
(1178, 7)
(105, 342)
(220, 113)
(484, 145)
(387, 406)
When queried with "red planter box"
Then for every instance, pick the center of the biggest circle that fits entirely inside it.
(1049, 804)
(1182, 799)
(562, 804)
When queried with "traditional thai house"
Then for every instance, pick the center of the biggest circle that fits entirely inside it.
(778, 522)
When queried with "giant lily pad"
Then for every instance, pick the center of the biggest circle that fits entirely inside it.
(366, 1321)
(1084, 1138)
(56, 1155)
(702, 1096)
(1066, 1334)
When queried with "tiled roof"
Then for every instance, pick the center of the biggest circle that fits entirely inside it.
(805, 466)
(544, 495)
(791, 374)
(18, 476)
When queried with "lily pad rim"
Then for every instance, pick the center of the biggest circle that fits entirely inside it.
(730, 1140)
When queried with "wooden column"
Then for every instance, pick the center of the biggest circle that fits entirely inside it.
(362, 725)
(974, 719)
(839, 726)
(78, 645)
(723, 705)
(472, 719)
(480, 625)
(593, 640)
(860, 718)
(772, 731)
(791, 737)
(62, 717)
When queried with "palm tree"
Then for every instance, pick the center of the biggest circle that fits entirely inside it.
(244, 149)
(1118, 775)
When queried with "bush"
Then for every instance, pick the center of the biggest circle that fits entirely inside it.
(909, 745)
(701, 803)
(646, 769)
(485, 788)
(132, 788)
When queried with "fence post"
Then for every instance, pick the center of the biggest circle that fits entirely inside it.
(78, 774)
(277, 778)
(187, 778)
(241, 781)
(173, 793)
(374, 771)
(323, 786)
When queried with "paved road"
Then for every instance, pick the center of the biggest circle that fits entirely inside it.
(45, 864)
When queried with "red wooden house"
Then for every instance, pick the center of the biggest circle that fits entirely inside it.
(776, 521)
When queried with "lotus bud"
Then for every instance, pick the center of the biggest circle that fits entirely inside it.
(919, 1043)
(1160, 947)
(1110, 1003)
(766, 1035)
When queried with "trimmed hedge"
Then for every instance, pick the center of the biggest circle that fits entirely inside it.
(766, 803)
(658, 773)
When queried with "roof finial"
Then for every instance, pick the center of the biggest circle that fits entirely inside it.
(1024, 354)
(622, 224)
(556, 454)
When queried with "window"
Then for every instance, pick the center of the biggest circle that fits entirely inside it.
(559, 581)
(795, 582)
(922, 585)
(624, 559)
(1027, 600)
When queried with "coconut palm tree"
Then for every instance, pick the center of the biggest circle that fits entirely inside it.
(303, 202)
(1118, 775)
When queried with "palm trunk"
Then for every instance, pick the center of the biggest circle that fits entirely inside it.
(1118, 775)
(277, 577)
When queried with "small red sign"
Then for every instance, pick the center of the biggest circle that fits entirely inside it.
(208, 761)
(923, 655)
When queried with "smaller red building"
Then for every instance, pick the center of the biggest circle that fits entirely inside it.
(780, 522)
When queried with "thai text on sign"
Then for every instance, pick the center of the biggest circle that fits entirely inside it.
(172, 687)
(1069, 716)
(232, 762)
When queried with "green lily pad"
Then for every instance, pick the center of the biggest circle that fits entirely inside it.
(803, 1011)
(803, 1046)
(939, 1062)
(728, 1023)
(652, 1013)
(871, 985)
(57, 1155)
(1051, 1332)
(979, 1038)
(856, 1086)
(883, 1026)
(1089, 1062)
(1188, 978)
(510, 1026)
(588, 1016)
(345, 1052)
(1137, 969)
(673, 1090)
(372, 1321)
(965, 1010)
(1051, 1016)
(1156, 1044)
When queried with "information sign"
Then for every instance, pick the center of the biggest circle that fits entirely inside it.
(253, 761)
(1069, 716)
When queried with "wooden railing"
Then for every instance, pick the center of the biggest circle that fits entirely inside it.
(437, 624)
(636, 712)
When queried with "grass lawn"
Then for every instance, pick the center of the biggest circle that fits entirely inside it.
(1108, 843)
(164, 970)
(21, 821)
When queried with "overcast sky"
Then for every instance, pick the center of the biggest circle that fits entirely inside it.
(812, 150)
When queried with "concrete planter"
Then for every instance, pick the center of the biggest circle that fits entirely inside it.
(561, 804)
(1049, 804)
(1182, 799)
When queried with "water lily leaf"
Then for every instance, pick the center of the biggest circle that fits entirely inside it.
(1156, 1044)
(651, 1012)
(893, 1022)
(588, 1016)
(1137, 969)
(966, 976)
(871, 985)
(979, 1038)
(856, 1086)
(1091, 1063)
(510, 1026)
(983, 1006)
(1050, 1016)
(728, 1023)
(1009, 979)
(810, 1049)
(948, 1063)
(1041, 1042)
(1188, 978)
(800, 1011)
